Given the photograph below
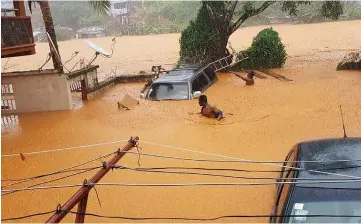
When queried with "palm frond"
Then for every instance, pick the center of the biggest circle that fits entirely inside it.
(100, 6)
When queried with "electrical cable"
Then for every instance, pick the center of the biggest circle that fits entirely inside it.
(50, 181)
(221, 184)
(62, 149)
(231, 161)
(178, 218)
(57, 172)
(179, 148)
(221, 175)
(208, 219)
(185, 184)
(65, 171)
(28, 216)
(272, 163)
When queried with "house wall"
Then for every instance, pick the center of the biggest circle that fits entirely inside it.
(36, 91)
(89, 74)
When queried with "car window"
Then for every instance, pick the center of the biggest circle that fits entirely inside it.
(210, 73)
(196, 85)
(199, 83)
(203, 81)
(169, 91)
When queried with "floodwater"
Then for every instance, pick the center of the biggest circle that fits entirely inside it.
(262, 123)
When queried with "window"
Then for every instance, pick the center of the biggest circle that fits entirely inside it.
(199, 83)
(210, 73)
(169, 91)
(7, 97)
(196, 85)
(203, 81)
(7, 89)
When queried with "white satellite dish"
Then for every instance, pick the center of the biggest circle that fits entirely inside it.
(97, 48)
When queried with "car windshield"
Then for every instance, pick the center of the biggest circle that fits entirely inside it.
(322, 201)
(169, 91)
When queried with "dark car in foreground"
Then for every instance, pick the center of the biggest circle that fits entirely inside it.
(339, 159)
(183, 83)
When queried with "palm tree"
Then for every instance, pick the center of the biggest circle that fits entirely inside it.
(100, 6)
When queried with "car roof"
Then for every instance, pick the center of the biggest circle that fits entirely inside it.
(329, 150)
(183, 73)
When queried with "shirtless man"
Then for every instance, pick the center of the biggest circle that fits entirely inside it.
(249, 79)
(209, 110)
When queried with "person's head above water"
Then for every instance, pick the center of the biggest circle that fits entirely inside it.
(202, 100)
(250, 74)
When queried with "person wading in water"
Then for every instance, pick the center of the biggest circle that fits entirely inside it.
(249, 78)
(209, 110)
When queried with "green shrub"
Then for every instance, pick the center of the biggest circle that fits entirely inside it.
(266, 51)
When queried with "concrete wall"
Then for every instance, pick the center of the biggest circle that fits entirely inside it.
(88, 74)
(38, 91)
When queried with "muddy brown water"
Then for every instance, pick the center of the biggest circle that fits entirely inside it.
(267, 120)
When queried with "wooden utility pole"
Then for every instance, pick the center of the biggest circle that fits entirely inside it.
(81, 196)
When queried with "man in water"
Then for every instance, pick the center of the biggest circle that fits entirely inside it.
(209, 110)
(249, 79)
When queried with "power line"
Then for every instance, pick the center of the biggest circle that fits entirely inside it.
(223, 184)
(28, 216)
(50, 181)
(231, 161)
(46, 187)
(62, 149)
(157, 170)
(211, 169)
(57, 172)
(178, 218)
(179, 148)
(248, 160)
(209, 219)
(65, 171)
(185, 184)
(253, 161)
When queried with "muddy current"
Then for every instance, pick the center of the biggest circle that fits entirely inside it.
(262, 123)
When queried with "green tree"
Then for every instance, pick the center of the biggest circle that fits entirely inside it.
(225, 17)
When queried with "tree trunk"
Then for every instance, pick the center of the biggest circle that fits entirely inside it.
(223, 45)
(49, 27)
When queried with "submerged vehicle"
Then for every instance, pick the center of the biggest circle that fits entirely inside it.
(183, 83)
(327, 200)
